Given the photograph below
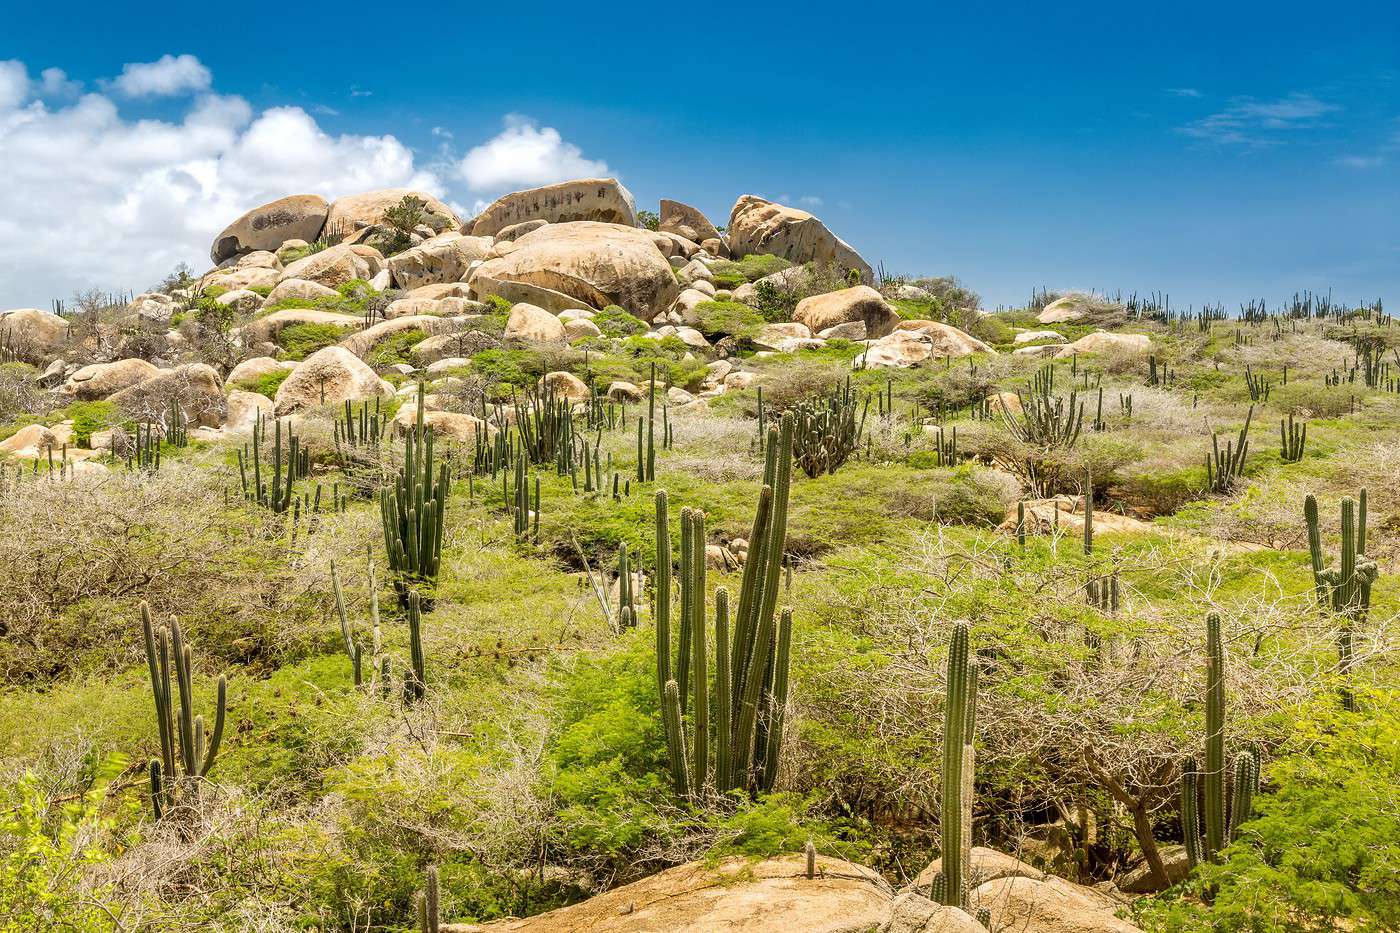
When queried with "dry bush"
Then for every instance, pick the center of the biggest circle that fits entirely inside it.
(1303, 354)
(714, 449)
(800, 380)
(81, 554)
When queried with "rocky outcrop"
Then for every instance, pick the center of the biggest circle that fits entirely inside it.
(947, 339)
(32, 335)
(330, 267)
(861, 303)
(1103, 342)
(296, 217)
(597, 199)
(266, 328)
(914, 913)
(446, 425)
(366, 340)
(154, 307)
(244, 409)
(531, 325)
(686, 221)
(737, 895)
(195, 387)
(300, 289)
(329, 376)
(1051, 905)
(254, 369)
(350, 213)
(757, 225)
(97, 381)
(987, 865)
(597, 264)
(444, 258)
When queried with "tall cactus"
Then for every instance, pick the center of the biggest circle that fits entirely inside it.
(1293, 440)
(428, 920)
(1221, 824)
(1344, 589)
(959, 726)
(752, 648)
(1088, 512)
(187, 751)
(414, 682)
(413, 511)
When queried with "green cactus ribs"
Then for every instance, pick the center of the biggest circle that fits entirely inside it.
(187, 748)
(1343, 588)
(724, 732)
(413, 512)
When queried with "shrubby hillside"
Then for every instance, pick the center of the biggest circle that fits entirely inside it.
(581, 567)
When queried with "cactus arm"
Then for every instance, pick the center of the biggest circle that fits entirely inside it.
(697, 631)
(1214, 779)
(723, 738)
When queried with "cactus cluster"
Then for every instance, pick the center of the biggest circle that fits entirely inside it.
(362, 425)
(1343, 588)
(290, 462)
(187, 749)
(1293, 440)
(1045, 420)
(1258, 386)
(1204, 792)
(413, 512)
(955, 811)
(828, 430)
(751, 649)
(1224, 467)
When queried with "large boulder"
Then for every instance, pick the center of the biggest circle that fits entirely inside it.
(296, 217)
(366, 340)
(861, 303)
(301, 290)
(900, 350)
(195, 387)
(686, 221)
(266, 328)
(914, 913)
(355, 211)
(31, 334)
(250, 371)
(1050, 905)
(987, 865)
(97, 381)
(1103, 341)
(529, 324)
(233, 278)
(1140, 880)
(485, 286)
(947, 339)
(444, 258)
(330, 267)
(244, 408)
(600, 199)
(735, 895)
(597, 264)
(757, 225)
(153, 307)
(446, 425)
(329, 376)
(30, 441)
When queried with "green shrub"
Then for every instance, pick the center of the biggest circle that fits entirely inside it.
(614, 321)
(396, 348)
(498, 305)
(88, 417)
(298, 341)
(1323, 851)
(521, 368)
(718, 318)
(751, 267)
(267, 383)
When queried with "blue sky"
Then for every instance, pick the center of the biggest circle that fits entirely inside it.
(1215, 154)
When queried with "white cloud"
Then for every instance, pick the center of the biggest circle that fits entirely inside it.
(93, 199)
(168, 76)
(525, 154)
(1253, 123)
(14, 84)
(53, 82)
(1360, 161)
(1183, 92)
(810, 200)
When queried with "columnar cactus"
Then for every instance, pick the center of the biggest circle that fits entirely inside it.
(827, 431)
(1344, 589)
(413, 512)
(1088, 512)
(428, 920)
(1221, 824)
(187, 751)
(1293, 440)
(1223, 467)
(751, 650)
(959, 726)
(414, 682)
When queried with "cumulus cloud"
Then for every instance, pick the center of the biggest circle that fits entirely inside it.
(166, 77)
(1360, 161)
(525, 154)
(94, 199)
